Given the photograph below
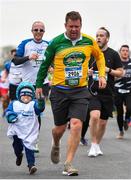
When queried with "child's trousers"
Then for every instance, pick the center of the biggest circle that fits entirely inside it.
(18, 148)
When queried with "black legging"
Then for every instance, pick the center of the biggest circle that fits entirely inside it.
(120, 101)
(85, 125)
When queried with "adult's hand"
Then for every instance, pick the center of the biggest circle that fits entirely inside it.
(39, 93)
(102, 82)
(33, 56)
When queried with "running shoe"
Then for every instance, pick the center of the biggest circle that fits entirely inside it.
(69, 170)
(120, 135)
(92, 151)
(55, 154)
(125, 125)
(98, 150)
(84, 141)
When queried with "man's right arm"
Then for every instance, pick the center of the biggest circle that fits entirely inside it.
(17, 60)
(20, 60)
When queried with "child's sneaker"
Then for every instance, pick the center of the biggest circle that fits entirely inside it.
(36, 150)
(32, 169)
(19, 159)
(69, 170)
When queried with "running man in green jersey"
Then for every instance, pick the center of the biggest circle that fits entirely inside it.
(70, 54)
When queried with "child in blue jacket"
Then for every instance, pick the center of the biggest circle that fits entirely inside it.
(22, 116)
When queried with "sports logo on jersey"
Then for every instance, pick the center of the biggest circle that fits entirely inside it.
(73, 69)
(74, 59)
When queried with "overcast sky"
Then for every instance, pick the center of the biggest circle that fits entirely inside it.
(17, 16)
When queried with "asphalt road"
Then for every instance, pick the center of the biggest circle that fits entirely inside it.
(114, 164)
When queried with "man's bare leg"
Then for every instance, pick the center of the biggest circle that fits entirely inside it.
(74, 138)
(57, 133)
(101, 130)
(94, 121)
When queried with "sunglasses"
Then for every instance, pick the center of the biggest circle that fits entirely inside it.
(40, 30)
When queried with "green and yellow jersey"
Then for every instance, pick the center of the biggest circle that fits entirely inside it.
(70, 61)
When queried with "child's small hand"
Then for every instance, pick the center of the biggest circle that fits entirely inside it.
(12, 120)
(11, 117)
(41, 101)
(41, 97)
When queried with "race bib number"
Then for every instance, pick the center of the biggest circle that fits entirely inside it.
(36, 63)
(96, 76)
(73, 72)
(72, 75)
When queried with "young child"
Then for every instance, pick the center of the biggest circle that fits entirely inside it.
(23, 127)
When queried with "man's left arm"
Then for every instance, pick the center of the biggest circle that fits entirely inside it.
(100, 62)
(117, 70)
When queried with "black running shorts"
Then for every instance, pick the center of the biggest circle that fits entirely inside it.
(102, 103)
(69, 103)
